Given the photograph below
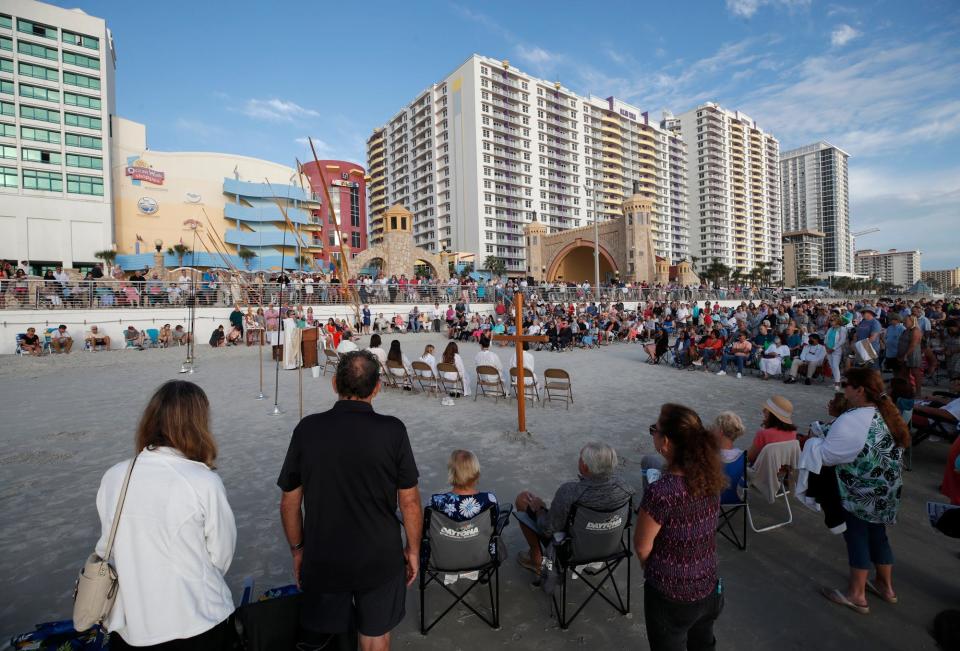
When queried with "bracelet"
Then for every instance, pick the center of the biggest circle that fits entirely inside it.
(296, 547)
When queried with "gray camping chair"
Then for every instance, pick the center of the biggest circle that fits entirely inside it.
(594, 536)
(451, 547)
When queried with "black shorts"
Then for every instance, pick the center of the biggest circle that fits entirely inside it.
(372, 612)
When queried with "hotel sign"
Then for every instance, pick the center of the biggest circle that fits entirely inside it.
(345, 184)
(139, 170)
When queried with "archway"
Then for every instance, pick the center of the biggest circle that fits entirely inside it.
(371, 267)
(574, 263)
(423, 267)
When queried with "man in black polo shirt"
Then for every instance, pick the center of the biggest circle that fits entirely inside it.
(349, 468)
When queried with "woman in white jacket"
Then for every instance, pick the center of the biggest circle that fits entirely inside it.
(176, 536)
(451, 355)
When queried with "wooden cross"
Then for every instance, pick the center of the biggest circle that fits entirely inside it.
(518, 339)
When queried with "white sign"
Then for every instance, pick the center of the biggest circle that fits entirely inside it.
(148, 206)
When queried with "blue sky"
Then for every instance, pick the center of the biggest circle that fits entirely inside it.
(879, 79)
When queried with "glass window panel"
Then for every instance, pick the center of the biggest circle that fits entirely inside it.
(40, 180)
(8, 177)
(37, 50)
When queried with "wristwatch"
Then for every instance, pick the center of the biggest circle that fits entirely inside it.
(296, 547)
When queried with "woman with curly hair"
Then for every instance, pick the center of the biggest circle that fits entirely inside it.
(865, 445)
(674, 538)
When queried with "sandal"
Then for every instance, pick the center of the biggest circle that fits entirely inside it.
(523, 558)
(837, 597)
(875, 590)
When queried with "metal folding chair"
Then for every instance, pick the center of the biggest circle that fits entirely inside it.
(777, 454)
(489, 382)
(446, 384)
(557, 386)
(401, 379)
(330, 360)
(530, 390)
(449, 547)
(425, 378)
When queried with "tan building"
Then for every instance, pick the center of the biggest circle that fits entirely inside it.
(944, 280)
(396, 253)
(900, 268)
(626, 250)
(802, 256)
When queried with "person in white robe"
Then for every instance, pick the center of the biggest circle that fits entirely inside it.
(291, 343)
(428, 359)
(771, 363)
(487, 357)
(529, 363)
(451, 355)
(377, 350)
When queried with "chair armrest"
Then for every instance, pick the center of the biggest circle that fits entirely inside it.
(503, 516)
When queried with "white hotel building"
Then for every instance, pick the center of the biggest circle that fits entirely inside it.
(56, 98)
(489, 148)
(733, 188)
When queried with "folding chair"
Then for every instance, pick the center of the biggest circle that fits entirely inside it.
(446, 384)
(330, 360)
(733, 502)
(401, 380)
(20, 338)
(594, 536)
(530, 390)
(783, 457)
(489, 382)
(153, 336)
(425, 378)
(386, 378)
(557, 386)
(455, 548)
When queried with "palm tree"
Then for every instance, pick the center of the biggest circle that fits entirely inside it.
(303, 261)
(495, 265)
(247, 255)
(716, 271)
(107, 255)
(180, 250)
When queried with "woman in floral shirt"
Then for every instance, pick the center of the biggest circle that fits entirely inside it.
(463, 501)
(866, 445)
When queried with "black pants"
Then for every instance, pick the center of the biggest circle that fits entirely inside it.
(221, 637)
(678, 626)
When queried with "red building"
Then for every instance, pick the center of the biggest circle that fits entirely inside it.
(348, 194)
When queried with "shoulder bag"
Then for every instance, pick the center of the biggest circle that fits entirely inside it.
(96, 587)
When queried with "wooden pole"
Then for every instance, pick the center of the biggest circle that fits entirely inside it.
(521, 381)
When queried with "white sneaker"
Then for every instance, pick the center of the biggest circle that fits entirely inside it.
(739, 375)
(721, 372)
(837, 388)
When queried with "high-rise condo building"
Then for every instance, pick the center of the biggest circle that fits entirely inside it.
(733, 188)
(488, 149)
(56, 98)
(900, 268)
(815, 196)
(944, 280)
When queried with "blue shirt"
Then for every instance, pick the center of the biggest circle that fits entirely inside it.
(866, 329)
(892, 338)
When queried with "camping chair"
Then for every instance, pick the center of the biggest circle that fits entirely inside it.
(447, 385)
(594, 536)
(451, 548)
(20, 337)
(489, 382)
(530, 390)
(401, 380)
(425, 378)
(330, 360)
(770, 474)
(557, 386)
(733, 502)
(153, 336)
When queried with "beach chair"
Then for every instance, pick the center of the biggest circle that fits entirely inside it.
(465, 551)
(557, 386)
(450, 386)
(401, 377)
(489, 382)
(20, 338)
(769, 474)
(153, 337)
(530, 390)
(594, 537)
(733, 503)
(425, 378)
(330, 360)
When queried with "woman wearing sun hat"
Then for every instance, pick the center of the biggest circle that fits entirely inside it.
(777, 425)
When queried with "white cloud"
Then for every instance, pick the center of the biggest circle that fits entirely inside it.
(324, 150)
(746, 8)
(276, 110)
(842, 35)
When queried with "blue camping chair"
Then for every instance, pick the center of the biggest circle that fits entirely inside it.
(733, 502)
(154, 335)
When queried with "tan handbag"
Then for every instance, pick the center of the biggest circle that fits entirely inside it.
(96, 588)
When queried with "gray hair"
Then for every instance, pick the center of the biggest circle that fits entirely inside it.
(599, 458)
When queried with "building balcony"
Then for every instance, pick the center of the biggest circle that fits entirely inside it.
(267, 237)
(265, 214)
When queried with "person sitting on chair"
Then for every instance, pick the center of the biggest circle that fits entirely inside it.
(487, 357)
(727, 427)
(60, 340)
(235, 336)
(771, 358)
(218, 338)
(810, 360)
(428, 359)
(133, 338)
(96, 338)
(30, 343)
(599, 487)
(657, 349)
(376, 348)
(463, 501)
(396, 355)
(451, 355)
(165, 337)
(778, 426)
(181, 336)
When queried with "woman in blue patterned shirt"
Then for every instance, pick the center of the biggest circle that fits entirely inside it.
(463, 501)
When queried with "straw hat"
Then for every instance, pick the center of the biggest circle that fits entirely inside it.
(781, 408)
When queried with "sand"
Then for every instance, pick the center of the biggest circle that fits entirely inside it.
(68, 418)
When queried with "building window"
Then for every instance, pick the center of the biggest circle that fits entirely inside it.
(38, 180)
(83, 81)
(355, 240)
(6, 44)
(40, 156)
(38, 92)
(82, 101)
(6, 21)
(38, 72)
(37, 113)
(86, 162)
(92, 185)
(37, 50)
(355, 207)
(8, 177)
(7, 108)
(37, 29)
(8, 130)
(40, 135)
(81, 60)
(87, 142)
(7, 151)
(85, 121)
(90, 42)
(6, 87)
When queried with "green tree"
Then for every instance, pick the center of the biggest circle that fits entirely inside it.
(716, 272)
(107, 255)
(247, 255)
(495, 265)
(180, 250)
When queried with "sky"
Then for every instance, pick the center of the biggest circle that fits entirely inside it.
(879, 79)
